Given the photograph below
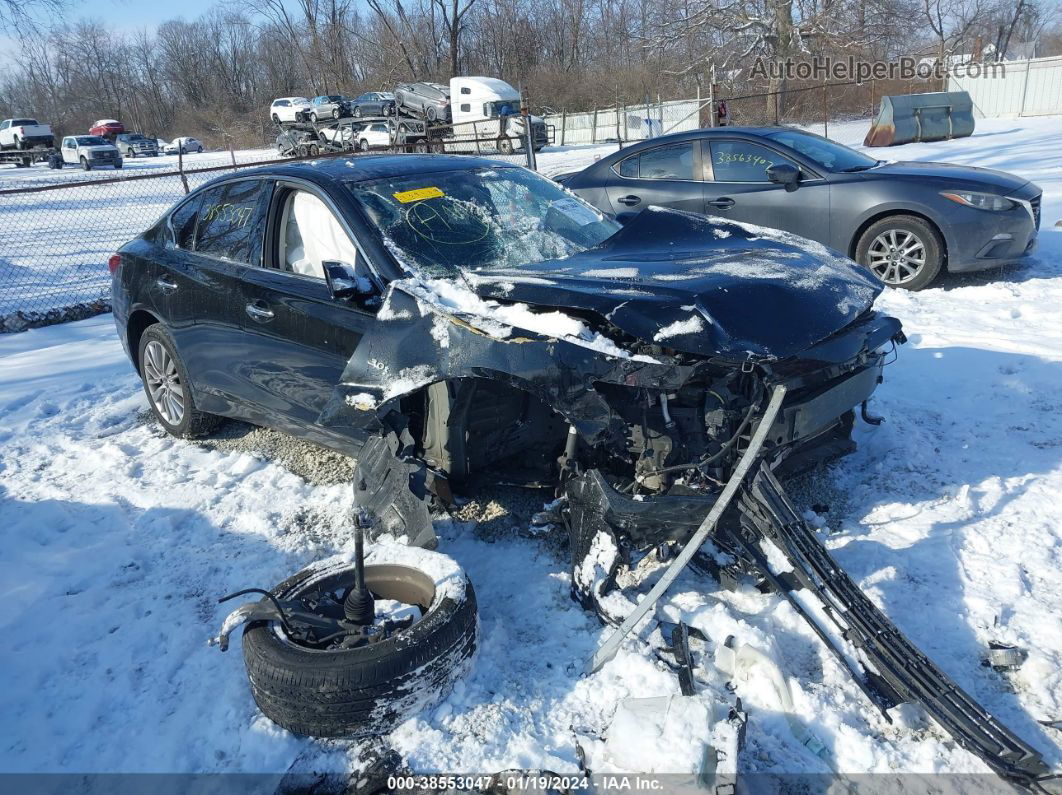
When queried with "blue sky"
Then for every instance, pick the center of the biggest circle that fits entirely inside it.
(133, 14)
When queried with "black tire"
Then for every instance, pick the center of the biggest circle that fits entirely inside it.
(313, 150)
(873, 245)
(367, 690)
(357, 111)
(130, 153)
(505, 144)
(313, 117)
(431, 113)
(193, 423)
(335, 113)
(363, 145)
(85, 164)
(199, 150)
(17, 142)
(276, 119)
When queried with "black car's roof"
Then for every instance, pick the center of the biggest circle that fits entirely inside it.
(363, 167)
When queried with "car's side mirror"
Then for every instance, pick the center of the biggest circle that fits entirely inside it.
(345, 282)
(785, 174)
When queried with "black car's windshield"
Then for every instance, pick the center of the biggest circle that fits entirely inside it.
(479, 219)
(830, 155)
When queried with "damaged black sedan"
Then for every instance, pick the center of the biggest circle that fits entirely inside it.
(448, 319)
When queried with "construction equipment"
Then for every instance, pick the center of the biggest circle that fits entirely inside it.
(910, 118)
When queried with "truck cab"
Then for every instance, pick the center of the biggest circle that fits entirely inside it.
(492, 107)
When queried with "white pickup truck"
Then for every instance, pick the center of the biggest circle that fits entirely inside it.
(90, 151)
(24, 134)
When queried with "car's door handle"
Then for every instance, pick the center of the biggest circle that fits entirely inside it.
(722, 204)
(259, 312)
(630, 201)
(165, 284)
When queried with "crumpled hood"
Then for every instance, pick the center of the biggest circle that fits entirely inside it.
(987, 178)
(709, 287)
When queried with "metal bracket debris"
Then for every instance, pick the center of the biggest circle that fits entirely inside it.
(609, 648)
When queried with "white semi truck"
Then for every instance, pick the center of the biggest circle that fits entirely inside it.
(488, 109)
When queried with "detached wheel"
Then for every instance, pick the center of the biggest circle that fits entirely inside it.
(505, 145)
(168, 387)
(902, 250)
(371, 688)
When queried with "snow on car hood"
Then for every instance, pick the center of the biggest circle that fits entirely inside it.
(702, 286)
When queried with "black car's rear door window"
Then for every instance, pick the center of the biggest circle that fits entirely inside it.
(182, 223)
(229, 227)
(743, 161)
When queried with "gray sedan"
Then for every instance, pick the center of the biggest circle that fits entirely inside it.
(905, 221)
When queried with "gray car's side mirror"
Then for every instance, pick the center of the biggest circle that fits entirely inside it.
(785, 174)
(345, 282)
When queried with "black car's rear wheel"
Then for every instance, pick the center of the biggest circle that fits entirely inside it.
(168, 388)
(357, 111)
(902, 250)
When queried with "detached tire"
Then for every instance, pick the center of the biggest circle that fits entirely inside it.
(368, 690)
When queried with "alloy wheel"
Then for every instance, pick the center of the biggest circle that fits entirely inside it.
(897, 256)
(164, 383)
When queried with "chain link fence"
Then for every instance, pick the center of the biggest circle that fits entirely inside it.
(58, 228)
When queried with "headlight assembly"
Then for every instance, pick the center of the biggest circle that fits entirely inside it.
(982, 201)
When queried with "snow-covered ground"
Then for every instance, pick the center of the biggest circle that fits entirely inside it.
(117, 540)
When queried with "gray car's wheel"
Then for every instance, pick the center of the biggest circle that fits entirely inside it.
(432, 113)
(902, 250)
(168, 388)
(335, 113)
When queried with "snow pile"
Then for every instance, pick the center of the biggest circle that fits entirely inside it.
(500, 320)
(694, 324)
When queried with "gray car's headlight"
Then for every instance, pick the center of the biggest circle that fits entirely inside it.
(982, 201)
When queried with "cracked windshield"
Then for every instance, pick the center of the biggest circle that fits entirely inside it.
(481, 219)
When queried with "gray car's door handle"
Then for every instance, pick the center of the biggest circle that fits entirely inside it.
(262, 314)
(722, 204)
(630, 201)
(165, 284)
